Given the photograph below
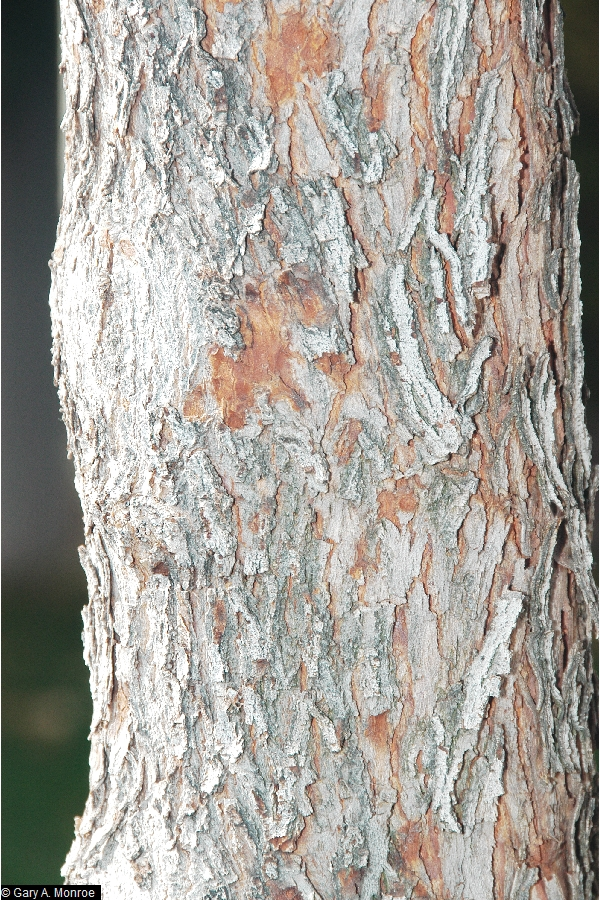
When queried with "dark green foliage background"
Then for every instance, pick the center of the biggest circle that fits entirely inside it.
(46, 710)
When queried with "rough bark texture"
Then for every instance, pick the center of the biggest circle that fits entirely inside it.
(317, 339)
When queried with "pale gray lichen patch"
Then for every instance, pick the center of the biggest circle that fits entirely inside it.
(483, 677)
(427, 410)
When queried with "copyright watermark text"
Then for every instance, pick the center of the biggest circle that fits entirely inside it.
(51, 891)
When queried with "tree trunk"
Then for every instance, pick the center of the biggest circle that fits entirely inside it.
(317, 338)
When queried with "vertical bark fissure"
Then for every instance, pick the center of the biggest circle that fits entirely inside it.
(317, 340)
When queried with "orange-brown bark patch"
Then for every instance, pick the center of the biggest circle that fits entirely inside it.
(525, 156)
(350, 880)
(364, 560)
(271, 226)
(255, 523)
(417, 250)
(377, 112)
(503, 853)
(401, 499)
(375, 84)
(405, 455)
(500, 404)
(219, 619)
(377, 730)
(234, 381)
(420, 49)
(419, 52)
(268, 363)
(407, 841)
(194, 406)
(347, 440)
(303, 676)
(401, 656)
(317, 763)
(218, 5)
(335, 366)
(448, 210)
(427, 576)
(374, 75)
(549, 855)
(289, 893)
(286, 845)
(400, 634)
(418, 846)
(430, 854)
(465, 121)
(295, 49)
(305, 292)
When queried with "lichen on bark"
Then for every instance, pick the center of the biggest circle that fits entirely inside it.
(316, 326)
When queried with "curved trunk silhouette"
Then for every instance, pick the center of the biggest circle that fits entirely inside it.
(317, 339)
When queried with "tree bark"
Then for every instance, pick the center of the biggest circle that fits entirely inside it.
(316, 326)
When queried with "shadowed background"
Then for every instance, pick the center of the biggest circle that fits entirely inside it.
(45, 697)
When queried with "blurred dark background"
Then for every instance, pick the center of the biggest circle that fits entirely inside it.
(45, 696)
